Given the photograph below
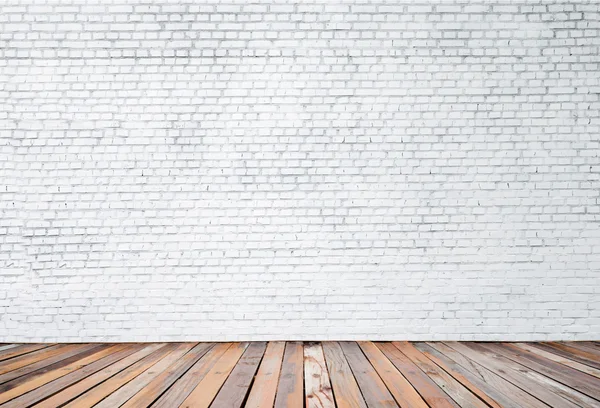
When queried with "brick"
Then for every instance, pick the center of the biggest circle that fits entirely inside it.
(234, 170)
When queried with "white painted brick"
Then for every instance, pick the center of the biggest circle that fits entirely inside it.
(228, 170)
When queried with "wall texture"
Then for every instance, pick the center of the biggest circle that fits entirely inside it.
(306, 170)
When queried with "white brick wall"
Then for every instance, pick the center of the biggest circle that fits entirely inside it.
(299, 170)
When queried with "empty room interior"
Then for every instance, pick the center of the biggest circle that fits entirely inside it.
(300, 203)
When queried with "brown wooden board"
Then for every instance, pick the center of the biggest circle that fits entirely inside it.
(119, 397)
(457, 373)
(64, 354)
(568, 354)
(575, 379)
(311, 375)
(235, 389)
(539, 386)
(166, 379)
(290, 390)
(401, 389)
(33, 357)
(427, 388)
(20, 350)
(345, 388)
(61, 384)
(505, 392)
(589, 344)
(96, 394)
(371, 386)
(21, 385)
(455, 389)
(207, 389)
(574, 353)
(559, 359)
(262, 393)
(86, 377)
(592, 352)
(183, 387)
(317, 387)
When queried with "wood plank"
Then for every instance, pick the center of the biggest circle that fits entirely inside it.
(582, 356)
(65, 353)
(427, 388)
(505, 392)
(402, 390)
(96, 394)
(30, 358)
(583, 348)
(262, 394)
(541, 387)
(345, 388)
(120, 396)
(234, 391)
(20, 350)
(456, 390)
(207, 389)
(182, 388)
(64, 382)
(558, 387)
(361, 375)
(90, 376)
(8, 346)
(567, 354)
(559, 359)
(371, 386)
(165, 380)
(9, 391)
(575, 379)
(590, 344)
(317, 387)
(456, 374)
(290, 390)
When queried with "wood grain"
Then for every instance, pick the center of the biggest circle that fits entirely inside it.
(11, 390)
(458, 376)
(345, 388)
(65, 382)
(427, 388)
(575, 353)
(559, 359)
(317, 387)
(403, 392)
(290, 391)
(583, 347)
(530, 381)
(371, 386)
(33, 357)
(575, 379)
(166, 379)
(235, 388)
(207, 389)
(262, 393)
(183, 387)
(496, 386)
(567, 354)
(455, 389)
(64, 354)
(22, 349)
(297, 375)
(120, 396)
(92, 389)
(89, 376)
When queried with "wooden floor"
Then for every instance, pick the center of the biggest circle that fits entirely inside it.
(295, 374)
